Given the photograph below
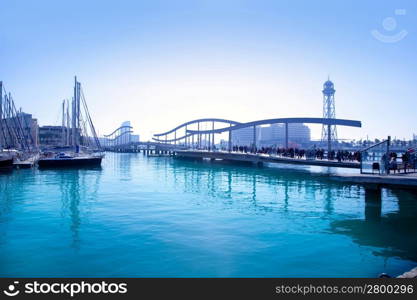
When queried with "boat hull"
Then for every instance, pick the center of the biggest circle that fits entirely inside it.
(6, 164)
(68, 163)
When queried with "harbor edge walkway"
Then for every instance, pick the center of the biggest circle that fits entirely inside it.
(399, 180)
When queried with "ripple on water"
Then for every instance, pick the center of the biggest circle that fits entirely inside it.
(140, 216)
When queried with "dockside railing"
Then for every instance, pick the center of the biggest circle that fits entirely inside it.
(379, 159)
(375, 158)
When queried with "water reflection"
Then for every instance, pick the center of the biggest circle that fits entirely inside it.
(373, 204)
(78, 187)
(247, 183)
(120, 164)
(6, 203)
(394, 233)
(5, 193)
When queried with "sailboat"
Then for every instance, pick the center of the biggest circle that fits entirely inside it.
(63, 160)
(6, 161)
(83, 150)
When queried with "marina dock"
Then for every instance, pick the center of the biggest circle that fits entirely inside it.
(27, 163)
(394, 180)
(23, 164)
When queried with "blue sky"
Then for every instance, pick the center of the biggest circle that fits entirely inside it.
(158, 63)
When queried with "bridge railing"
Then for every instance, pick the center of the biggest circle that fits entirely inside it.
(375, 158)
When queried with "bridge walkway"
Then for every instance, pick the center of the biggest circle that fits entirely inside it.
(262, 158)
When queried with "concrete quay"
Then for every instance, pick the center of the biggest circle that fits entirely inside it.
(395, 180)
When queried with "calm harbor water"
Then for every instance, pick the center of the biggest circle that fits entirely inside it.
(153, 217)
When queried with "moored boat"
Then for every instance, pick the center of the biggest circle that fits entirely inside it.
(80, 147)
(63, 160)
(6, 162)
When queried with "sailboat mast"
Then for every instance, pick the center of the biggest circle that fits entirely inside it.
(63, 123)
(67, 143)
(74, 113)
(1, 115)
(78, 108)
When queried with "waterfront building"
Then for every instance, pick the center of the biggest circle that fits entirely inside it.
(134, 138)
(124, 135)
(31, 126)
(22, 122)
(51, 135)
(299, 133)
(274, 135)
(54, 135)
(244, 136)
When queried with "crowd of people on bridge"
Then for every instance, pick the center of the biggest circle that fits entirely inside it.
(316, 153)
(390, 162)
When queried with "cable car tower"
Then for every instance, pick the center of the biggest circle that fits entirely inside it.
(329, 133)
